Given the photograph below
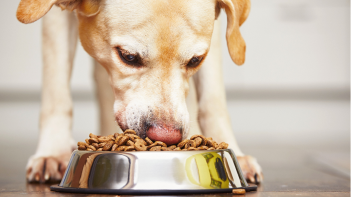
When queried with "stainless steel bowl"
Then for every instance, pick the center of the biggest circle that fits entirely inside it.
(153, 172)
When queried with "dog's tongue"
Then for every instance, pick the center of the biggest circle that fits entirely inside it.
(165, 134)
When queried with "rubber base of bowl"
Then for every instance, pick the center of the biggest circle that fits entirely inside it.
(57, 188)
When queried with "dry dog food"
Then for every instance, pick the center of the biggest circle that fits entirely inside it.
(238, 191)
(129, 141)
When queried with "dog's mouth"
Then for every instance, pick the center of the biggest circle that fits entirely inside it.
(148, 123)
(169, 134)
(166, 134)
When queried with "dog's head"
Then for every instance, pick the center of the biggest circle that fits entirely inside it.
(150, 49)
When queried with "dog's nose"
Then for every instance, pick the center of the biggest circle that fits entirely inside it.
(165, 134)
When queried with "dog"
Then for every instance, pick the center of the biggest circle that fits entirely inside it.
(148, 55)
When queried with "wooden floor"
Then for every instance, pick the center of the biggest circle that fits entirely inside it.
(288, 172)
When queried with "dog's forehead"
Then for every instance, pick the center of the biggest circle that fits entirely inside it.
(162, 22)
(133, 13)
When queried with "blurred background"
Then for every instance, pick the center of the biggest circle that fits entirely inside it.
(292, 92)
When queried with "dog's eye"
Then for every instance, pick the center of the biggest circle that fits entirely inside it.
(194, 61)
(129, 58)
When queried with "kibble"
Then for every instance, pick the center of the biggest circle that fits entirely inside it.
(129, 141)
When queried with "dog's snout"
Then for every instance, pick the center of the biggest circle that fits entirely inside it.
(166, 134)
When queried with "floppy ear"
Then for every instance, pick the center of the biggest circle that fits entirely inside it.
(29, 11)
(237, 12)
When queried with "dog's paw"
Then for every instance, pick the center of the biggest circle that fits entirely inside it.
(47, 169)
(251, 169)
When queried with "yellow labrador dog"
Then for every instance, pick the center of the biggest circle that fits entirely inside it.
(152, 51)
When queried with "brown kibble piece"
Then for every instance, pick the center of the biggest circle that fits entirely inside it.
(165, 149)
(184, 149)
(211, 148)
(192, 143)
(159, 143)
(222, 145)
(123, 140)
(215, 144)
(130, 143)
(108, 146)
(225, 146)
(155, 148)
(186, 146)
(135, 136)
(141, 141)
(194, 136)
(177, 149)
(172, 147)
(101, 145)
(112, 138)
(148, 141)
(93, 136)
(96, 145)
(121, 148)
(192, 148)
(239, 191)
(211, 143)
(82, 144)
(198, 141)
(81, 147)
(89, 149)
(99, 149)
(129, 131)
(93, 140)
(183, 143)
(116, 135)
(140, 146)
(208, 139)
(118, 138)
(203, 142)
(87, 141)
(132, 137)
(114, 147)
(129, 148)
(152, 145)
(104, 139)
(202, 148)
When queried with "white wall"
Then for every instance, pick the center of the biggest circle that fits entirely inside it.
(297, 44)
(21, 60)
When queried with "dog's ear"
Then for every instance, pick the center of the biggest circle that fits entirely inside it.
(29, 11)
(237, 12)
(89, 7)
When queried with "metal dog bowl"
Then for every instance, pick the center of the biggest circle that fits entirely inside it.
(153, 172)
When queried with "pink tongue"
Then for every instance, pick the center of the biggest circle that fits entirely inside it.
(167, 135)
